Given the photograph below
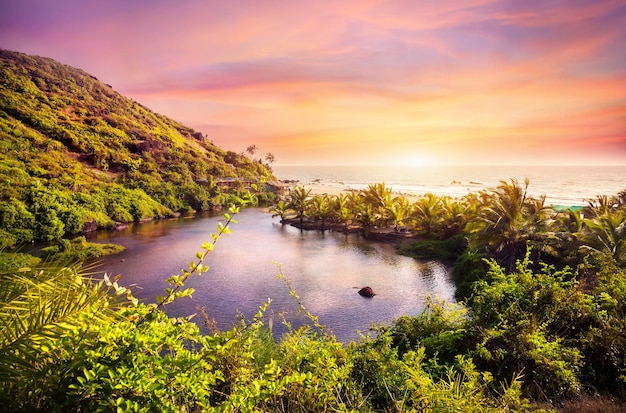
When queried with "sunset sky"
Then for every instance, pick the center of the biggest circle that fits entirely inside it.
(358, 81)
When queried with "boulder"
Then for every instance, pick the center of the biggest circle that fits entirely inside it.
(89, 226)
(367, 292)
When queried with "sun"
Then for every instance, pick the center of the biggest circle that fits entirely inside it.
(417, 160)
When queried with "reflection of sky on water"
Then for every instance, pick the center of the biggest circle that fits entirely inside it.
(326, 271)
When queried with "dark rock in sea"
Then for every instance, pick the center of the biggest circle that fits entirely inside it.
(367, 292)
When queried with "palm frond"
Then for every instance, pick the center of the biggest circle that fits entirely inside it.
(39, 306)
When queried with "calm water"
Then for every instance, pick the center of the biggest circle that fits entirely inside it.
(324, 269)
(565, 185)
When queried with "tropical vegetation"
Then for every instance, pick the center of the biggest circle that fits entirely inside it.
(541, 290)
(534, 337)
(539, 323)
(75, 156)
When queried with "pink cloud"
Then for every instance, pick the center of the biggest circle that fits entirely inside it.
(471, 74)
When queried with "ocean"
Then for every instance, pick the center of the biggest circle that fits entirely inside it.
(562, 185)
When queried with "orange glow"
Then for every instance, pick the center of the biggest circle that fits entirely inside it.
(360, 82)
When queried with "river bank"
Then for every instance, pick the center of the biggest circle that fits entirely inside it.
(323, 267)
(397, 238)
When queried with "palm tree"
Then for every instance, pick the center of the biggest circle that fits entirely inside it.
(252, 149)
(507, 219)
(280, 209)
(298, 200)
(341, 209)
(365, 216)
(601, 205)
(398, 212)
(562, 234)
(320, 208)
(621, 199)
(427, 213)
(570, 221)
(455, 215)
(606, 236)
(378, 196)
(39, 308)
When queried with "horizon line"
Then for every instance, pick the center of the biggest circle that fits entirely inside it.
(451, 165)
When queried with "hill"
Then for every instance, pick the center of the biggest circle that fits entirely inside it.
(75, 155)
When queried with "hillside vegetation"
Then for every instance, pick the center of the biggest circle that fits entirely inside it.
(73, 152)
(540, 324)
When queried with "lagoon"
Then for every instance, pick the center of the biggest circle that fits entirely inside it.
(325, 269)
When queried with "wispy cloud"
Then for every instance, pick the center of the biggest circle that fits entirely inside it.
(362, 79)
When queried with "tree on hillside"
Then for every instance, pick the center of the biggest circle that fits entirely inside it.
(251, 149)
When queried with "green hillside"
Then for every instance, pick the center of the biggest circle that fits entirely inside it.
(75, 154)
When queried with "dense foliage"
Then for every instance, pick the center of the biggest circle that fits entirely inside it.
(76, 155)
(542, 290)
(541, 317)
(74, 344)
(540, 332)
(502, 223)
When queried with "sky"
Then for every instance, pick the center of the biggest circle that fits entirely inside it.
(358, 82)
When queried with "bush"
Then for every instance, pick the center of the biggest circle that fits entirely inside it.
(446, 250)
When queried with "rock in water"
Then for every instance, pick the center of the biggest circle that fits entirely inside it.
(367, 292)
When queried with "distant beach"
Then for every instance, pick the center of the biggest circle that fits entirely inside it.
(562, 185)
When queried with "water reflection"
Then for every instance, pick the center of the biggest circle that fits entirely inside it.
(324, 268)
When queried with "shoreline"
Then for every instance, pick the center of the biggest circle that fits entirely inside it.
(387, 235)
(336, 189)
(562, 185)
(333, 190)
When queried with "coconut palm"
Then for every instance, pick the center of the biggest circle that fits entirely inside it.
(39, 308)
(319, 207)
(507, 218)
(280, 209)
(365, 215)
(570, 220)
(298, 200)
(427, 213)
(379, 197)
(252, 149)
(605, 235)
(561, 236)
(603, 204)
(398, 212)
(456, 215)
(341, 208)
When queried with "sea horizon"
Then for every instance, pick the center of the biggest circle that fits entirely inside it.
(561, 184)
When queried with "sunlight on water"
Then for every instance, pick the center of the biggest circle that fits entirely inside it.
(567, 185)
(325, 269)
